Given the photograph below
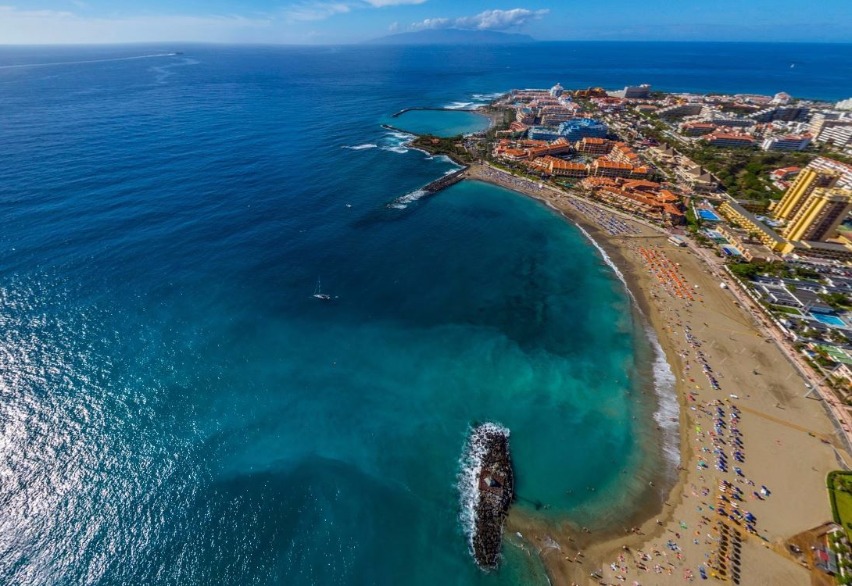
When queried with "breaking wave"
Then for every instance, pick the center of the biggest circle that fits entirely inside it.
(470, 464)
(459, 105)
(402, 202)
(361, 147)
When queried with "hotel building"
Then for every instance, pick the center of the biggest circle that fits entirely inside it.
(819, 216)
(787, 143)
(721, 139)
(805, 183)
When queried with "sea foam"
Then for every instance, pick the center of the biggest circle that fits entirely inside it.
(470, 465)
(402, 202)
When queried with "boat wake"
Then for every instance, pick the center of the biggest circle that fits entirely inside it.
(361, 147)
(133, 58)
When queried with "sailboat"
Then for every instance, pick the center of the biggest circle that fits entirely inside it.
(318, 294)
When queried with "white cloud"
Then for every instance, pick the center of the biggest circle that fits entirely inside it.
(381, 3)
(492, 20)
(53, 26)
(314, 11)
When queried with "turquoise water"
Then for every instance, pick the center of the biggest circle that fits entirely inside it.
(175, 407)
(440, 122)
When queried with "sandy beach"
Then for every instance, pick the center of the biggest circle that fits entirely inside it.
(754, 450)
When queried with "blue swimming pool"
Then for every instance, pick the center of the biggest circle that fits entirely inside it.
(831, 320)
(709, 216)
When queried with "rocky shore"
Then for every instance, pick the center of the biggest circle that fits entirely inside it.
(494, 490)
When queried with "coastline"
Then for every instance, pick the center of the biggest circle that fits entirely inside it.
(572, 555)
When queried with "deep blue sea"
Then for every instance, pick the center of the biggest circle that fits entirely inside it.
(176, 407)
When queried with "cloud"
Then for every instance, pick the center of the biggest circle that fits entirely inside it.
(489, 20)
(55, 26)
(382, 3)
(314, 11)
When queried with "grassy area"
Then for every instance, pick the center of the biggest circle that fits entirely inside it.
(785, 309)
(840, 495)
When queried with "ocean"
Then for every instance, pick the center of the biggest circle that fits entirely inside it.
(176, 407)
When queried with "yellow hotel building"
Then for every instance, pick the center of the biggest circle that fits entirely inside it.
(802, 187)
(819, 215)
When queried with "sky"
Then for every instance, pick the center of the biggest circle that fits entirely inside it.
(352, 21)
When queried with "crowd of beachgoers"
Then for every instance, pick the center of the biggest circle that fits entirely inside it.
(607, 221)
(722, 491)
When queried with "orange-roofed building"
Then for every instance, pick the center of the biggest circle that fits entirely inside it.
(641, 185)
(593, 146)
(621, 153)
(560, 168)
(604, 168)
(723, 139)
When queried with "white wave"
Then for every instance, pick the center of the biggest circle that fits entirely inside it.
(668, 409)
(444, 159)
(458, 105)
(399, 135)
(667, 414)
(470, 465)
(397, 142)
(402, 202)
(361, 147)
(487, 97)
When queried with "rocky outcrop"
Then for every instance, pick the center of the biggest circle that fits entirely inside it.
(490, 483)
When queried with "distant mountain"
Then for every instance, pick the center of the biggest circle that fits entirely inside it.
(453, 36)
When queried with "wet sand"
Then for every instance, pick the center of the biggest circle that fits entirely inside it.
(782, 434)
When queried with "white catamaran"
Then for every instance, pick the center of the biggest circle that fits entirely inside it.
(318, 294)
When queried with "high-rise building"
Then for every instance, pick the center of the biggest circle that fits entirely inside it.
(820, 215)
(798, 193)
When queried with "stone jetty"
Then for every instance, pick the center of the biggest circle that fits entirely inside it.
(445, 181)
(494, 491)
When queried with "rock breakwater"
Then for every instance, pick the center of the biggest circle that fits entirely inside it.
(486, 484)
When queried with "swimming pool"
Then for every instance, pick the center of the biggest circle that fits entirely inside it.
(830, 320)
(714, 235)
(709, 216)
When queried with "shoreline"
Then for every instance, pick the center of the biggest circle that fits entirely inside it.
(654, 520)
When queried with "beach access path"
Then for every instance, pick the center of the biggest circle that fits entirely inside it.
(722, 360)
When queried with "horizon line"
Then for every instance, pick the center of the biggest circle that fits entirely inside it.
(365, 41)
